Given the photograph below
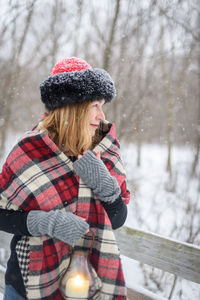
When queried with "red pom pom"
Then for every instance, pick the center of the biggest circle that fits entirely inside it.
(69, 65)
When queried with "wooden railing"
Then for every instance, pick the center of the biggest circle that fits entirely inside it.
(173, 256)
(178, 258)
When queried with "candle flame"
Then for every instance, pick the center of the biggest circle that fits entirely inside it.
(78, 280)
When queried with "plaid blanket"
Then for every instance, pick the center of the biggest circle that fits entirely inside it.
(37, 175)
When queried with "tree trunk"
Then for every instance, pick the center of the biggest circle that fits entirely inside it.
(13, 77)
(108, 50)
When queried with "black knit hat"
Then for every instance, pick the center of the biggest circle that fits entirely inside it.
(73, 80)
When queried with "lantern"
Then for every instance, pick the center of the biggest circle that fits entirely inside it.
(80, 281)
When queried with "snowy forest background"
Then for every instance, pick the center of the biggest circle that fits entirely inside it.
(152, 50)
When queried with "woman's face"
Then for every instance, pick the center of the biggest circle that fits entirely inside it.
(96, 114)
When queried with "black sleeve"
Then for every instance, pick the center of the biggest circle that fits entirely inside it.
(14, 222)
(117, 212)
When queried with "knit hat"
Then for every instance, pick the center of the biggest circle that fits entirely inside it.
(73, 80)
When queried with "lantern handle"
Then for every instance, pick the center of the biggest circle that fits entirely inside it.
(90, 247)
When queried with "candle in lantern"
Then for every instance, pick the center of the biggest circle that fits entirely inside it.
(77, 286)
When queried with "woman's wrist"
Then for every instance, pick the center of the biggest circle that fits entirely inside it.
(116, 211)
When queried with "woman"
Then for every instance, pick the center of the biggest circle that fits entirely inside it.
(62, 178)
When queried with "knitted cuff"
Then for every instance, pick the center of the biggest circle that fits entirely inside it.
(33, 222)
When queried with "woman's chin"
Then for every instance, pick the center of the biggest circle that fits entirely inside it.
(92, 132)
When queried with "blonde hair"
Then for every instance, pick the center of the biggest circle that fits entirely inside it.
(68, 127)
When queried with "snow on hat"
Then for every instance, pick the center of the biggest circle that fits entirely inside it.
(73, 80)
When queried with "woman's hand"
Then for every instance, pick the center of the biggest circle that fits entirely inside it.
(94, 173)
(84, 219)
(62, 225)
(80, 155)
(98, 155)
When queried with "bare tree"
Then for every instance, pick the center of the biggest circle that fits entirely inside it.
(171, 94)
(108, 49)
(197, 142)
(13, 75)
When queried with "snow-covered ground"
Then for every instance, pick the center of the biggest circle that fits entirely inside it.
(166, 205)
(161, 204)
(159, 199)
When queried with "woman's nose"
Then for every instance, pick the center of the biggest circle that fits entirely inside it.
(101, 115)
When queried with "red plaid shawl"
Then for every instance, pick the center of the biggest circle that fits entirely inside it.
(37, 175)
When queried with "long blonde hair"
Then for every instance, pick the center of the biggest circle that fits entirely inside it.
(68, 127)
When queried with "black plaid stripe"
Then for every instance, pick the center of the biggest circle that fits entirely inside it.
(23, 250)
(98, 296)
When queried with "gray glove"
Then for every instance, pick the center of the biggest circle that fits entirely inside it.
(64, 226)
(95, 174)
